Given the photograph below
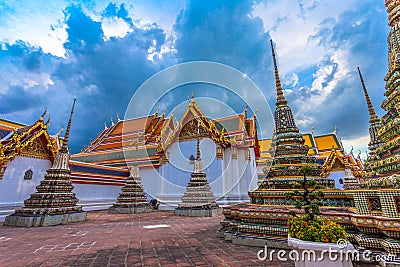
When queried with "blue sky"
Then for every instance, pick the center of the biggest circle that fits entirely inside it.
(101, 52)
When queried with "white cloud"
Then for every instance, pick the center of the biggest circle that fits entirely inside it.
(39, 25)
(359, 144)
(291, 25)
(115, 27)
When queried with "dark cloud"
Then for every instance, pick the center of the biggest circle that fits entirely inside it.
(83, 32)
(223, 31)
(18, 99)
(104, 75)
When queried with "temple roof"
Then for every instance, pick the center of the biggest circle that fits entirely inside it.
(320, 145)
(30, 141)
(114, 143)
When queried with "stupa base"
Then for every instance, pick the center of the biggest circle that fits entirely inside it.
(129, 210)
(198, 212)
(38, 220)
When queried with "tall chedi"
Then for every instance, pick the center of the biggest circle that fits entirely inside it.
(389, 153)
(290, 151)
(374, 125)
(54, 202)
(198, 200)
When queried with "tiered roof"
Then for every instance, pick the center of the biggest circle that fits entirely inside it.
(29, 141)
(112, 147)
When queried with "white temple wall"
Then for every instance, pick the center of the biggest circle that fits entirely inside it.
(13, 188)
(96, 196)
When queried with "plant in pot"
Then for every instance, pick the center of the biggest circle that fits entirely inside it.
(315, 242)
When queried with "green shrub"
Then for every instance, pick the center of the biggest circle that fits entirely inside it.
(316, 229)
(309, 227)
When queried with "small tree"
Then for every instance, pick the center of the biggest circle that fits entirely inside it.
(309, 198)
(308, 226)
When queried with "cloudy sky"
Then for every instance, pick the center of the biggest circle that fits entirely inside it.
(101, 52)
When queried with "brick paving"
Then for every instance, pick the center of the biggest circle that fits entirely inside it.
(151, 239)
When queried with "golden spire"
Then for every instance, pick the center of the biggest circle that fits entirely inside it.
(335, 129)
(312, 129)
(372, 114)
(280, 99)
(64, 148)
(192, 96)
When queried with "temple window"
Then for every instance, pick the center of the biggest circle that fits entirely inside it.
(374, 204)
(28, 175)
(397, 204)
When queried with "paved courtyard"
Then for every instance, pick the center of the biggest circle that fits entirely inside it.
(152, 239)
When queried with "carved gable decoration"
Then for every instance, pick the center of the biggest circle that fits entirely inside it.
(338, 165)
(35, 150)
(193, 124)
(191, 130)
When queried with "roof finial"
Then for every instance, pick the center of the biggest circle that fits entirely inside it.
(48, 121)
(118, 118)
(312, 129)
(112, 121)
(157, 110)
(192, 96)
(44, 113)
(335, 129)
(280, 97)
(60, 131)
(64, 147)
(372, 114)
(245, 110)
(105, 125)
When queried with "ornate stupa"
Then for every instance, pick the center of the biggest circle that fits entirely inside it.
(198, 200)
(388, 162)
(290, 151)
(371, 216)
(132, 198)
(54, 202)
(374, 125)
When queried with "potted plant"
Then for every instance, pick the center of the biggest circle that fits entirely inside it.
(315, 242)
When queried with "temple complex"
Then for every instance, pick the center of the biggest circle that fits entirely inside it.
(54, 202)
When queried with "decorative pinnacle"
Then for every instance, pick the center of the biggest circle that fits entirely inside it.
(280, 97)
(372, 114)
(64, 147)
(198, 154)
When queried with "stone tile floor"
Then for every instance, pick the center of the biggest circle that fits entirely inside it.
(151, 239)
